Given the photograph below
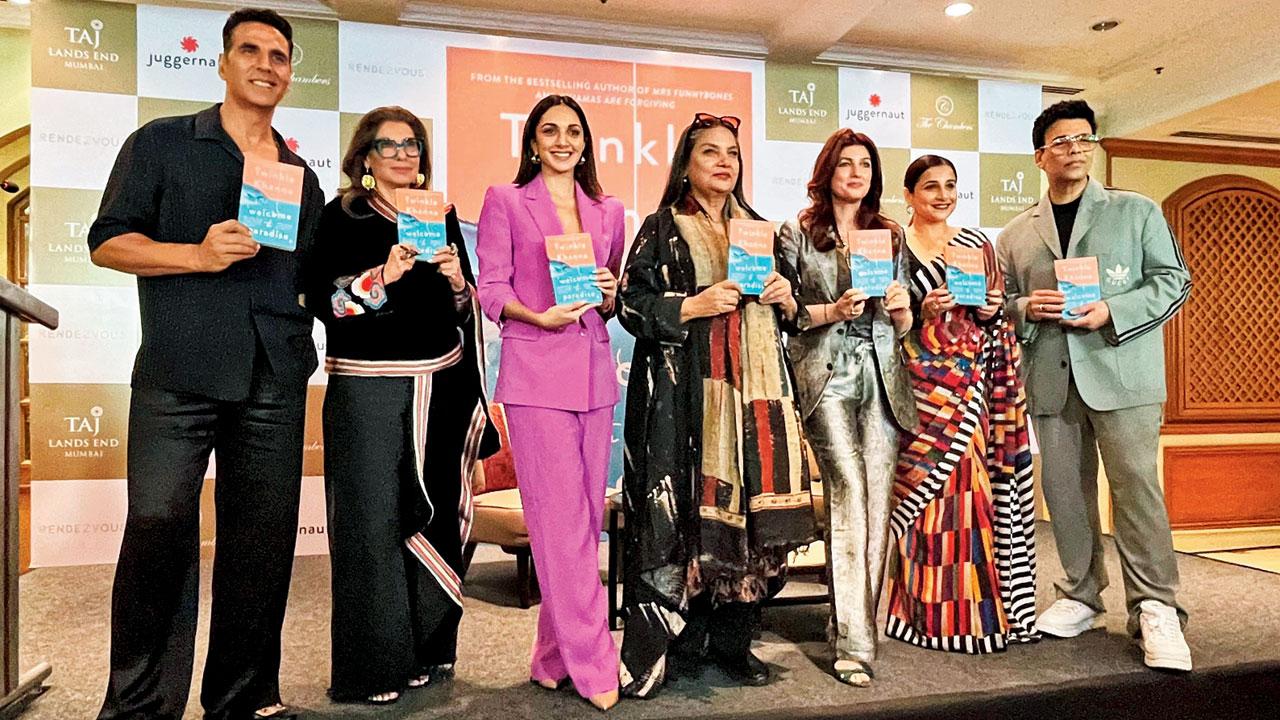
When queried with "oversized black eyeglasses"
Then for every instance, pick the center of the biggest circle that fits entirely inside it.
(387, 148)
(702, 120)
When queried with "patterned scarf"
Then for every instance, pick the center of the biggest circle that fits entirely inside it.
(755, 501)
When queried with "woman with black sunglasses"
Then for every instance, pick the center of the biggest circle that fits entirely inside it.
(402, 360)
(715, 483)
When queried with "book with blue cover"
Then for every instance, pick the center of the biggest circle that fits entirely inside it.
(573, 269)
(871, 261)
(966, 275)
(420, 221)
(750, 253)
(270, 202)
(1078, 281)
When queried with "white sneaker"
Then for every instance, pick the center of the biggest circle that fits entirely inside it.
(1067, 618)
(1163, 645)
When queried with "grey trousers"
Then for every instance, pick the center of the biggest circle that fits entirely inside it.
(856, 445)
(1128, 440)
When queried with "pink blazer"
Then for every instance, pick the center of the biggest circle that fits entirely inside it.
(568, 369)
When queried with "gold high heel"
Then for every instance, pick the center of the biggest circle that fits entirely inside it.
(604, 700)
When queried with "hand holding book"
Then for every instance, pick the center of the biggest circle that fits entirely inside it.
(1045, 305)
(399, 261)
(447, 264)
(225, 243)
(936, 302)
(718, 299)
(995, 298)
(777, 291)
(608, 285)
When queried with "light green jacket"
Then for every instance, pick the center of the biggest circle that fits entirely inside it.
(1144, 281)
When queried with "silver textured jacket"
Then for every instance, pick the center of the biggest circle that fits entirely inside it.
(824, 276)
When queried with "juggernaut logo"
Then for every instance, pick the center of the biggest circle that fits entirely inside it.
(189, 45)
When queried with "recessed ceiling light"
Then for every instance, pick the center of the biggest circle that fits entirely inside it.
(1104, 25)
(958, 9)
(19, 2)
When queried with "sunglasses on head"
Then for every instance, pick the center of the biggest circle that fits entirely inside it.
(702, 120)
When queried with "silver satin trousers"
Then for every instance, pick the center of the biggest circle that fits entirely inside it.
(856, 445)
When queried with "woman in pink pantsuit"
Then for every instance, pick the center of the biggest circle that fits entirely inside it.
(558, 384)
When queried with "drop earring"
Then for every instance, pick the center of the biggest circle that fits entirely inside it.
(535, 159)
(420, 180)
(366, 181)
(582, 160)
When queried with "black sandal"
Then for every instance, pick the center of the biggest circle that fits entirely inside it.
(860, 676)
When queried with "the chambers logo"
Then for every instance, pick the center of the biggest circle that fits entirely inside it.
(944, 112)
(944, 107)
(304, 73)
(185, 54)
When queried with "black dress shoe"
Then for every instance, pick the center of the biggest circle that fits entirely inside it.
(746, 669)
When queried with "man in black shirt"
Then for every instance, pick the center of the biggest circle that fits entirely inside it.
(223, 365)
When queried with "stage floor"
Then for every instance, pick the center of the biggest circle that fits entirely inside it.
(1235, 623)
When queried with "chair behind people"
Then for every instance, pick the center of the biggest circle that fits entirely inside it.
(499, 514)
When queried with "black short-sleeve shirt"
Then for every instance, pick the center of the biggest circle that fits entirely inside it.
(175, 177)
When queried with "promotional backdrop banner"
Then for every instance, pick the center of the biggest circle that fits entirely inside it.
(102, 69)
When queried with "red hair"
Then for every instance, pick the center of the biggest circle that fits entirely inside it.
(819, 217)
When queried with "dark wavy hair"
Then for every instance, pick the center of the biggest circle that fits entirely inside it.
(584, 173)
(1064, 110)
(270, 18)
(819, 217)
(678, 186)
(917, 168)
(362, 142)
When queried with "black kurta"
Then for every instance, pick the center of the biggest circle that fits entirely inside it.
(393, 615)
(662, 477)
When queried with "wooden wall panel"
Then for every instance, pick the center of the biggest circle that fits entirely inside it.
(1223, 348)
(1224, 486)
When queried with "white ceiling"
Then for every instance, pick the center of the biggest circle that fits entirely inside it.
(1220, 64)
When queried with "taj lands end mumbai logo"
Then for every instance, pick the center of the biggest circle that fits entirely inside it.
(84, 52)
(83, 436)
(1012, 197)
(801, 109)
